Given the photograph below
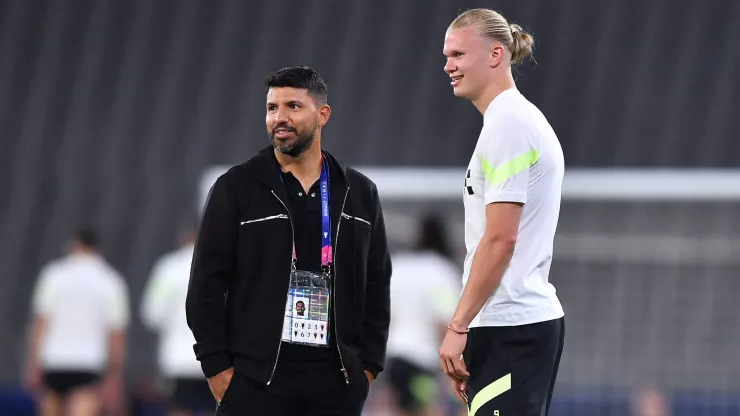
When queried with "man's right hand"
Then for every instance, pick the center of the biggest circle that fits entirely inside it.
(460, 388)
(220, 382)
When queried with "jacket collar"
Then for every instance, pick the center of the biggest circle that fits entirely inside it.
(267, 170)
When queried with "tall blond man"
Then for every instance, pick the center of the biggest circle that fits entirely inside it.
(503, 345)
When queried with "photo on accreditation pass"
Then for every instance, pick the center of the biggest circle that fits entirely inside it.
(305, 329)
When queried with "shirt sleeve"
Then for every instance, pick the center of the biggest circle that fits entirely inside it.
(154, 302)
(43, 294)
(506, 158)
(118, 307)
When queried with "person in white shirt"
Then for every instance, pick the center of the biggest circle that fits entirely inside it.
(163, 311)
(80, 311)
(424, 291)
(504, 342)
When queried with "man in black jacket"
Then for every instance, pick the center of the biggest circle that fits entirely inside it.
(289, 296)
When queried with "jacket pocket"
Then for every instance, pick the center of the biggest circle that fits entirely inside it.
(362, 220)
(270, 217)
(261, 237)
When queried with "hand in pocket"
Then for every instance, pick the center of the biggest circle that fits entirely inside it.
(220, 383)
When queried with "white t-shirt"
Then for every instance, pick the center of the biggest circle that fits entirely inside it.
(163, 311)
(424, 293)
(82, 299)
(518, 158)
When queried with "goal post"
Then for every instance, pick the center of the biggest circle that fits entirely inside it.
(435, 183)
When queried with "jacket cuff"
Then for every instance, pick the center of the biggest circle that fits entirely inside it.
(216, 363)
(372, 368)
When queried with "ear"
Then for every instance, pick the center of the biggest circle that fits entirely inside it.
(498, 53)
(324, 114)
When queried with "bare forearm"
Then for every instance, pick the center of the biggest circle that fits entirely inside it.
(116, 352)
(35, 338)
(489, 264)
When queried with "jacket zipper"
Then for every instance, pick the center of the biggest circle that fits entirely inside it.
(287, 294)
(334, 278)
(333, 284)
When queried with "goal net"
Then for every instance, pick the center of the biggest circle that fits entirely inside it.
(647, 266)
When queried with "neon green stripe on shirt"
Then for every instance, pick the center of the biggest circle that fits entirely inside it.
(497, 176)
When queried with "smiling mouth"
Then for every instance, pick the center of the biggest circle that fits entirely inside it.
(456, 79)
(282, 131)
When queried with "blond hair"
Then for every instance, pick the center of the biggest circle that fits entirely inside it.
(494, 26)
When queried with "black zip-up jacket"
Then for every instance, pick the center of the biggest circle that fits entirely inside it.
(241, 271)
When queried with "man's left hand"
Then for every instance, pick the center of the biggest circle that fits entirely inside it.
(370, 378)
(450, 356)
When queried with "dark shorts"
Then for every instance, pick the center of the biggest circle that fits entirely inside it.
(64, 382)
(513, 368)
(191, 394)
(413, 387)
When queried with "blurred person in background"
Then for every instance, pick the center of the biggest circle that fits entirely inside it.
(505, 340)
(163, 311)
(650, 401)
(424, 292)
(292, 224)
(80, 311)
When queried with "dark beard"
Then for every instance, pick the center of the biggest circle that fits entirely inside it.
(294, 148)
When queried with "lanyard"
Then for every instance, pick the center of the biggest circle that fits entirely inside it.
(326, 248)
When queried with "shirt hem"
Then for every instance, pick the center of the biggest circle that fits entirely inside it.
(517, 318)
(519, 197)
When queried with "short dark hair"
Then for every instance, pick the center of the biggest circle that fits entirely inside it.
(87, 237)
(300, 77)
(432, 235)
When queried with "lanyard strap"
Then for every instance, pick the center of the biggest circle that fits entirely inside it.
(327, 254)
(326, 249)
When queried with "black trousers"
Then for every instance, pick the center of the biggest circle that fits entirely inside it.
(513, 368)
(315, 392)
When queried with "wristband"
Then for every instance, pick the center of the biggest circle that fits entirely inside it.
(457, 331)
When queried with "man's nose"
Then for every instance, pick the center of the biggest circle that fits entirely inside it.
(281, 115)
(449, 66)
